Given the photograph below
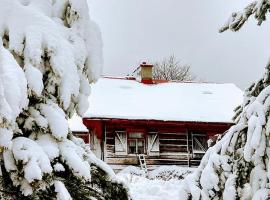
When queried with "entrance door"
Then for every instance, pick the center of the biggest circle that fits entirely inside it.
(120, 143)
(199, 143)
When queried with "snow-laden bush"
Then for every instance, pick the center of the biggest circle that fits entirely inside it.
(164, 173)
(238, 166)
(167, 173)
(132, 170)
(50, 51)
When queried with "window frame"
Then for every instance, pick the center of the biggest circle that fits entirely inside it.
(136, 139)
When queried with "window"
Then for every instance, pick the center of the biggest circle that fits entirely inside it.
(136, 143)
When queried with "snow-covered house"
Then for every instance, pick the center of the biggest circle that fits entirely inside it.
(170, 122)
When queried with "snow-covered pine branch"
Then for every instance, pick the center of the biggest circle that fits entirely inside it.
(257, 8)
(50, 51)
(238, 166)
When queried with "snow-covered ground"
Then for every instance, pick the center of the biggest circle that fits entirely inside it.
(154, 188)
(145, 189)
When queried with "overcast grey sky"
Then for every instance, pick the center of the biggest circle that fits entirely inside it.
(149, 30)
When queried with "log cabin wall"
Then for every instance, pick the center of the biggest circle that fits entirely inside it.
(163, 143)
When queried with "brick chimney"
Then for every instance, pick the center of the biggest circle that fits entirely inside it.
(146, 73)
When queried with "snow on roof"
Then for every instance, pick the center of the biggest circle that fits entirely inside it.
(76, 124)
(171, 101)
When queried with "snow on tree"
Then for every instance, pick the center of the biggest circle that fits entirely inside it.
(50, 51)
(238, 166)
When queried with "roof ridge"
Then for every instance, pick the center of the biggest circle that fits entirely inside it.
(160, 81)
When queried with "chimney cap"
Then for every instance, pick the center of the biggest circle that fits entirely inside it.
(144, 64)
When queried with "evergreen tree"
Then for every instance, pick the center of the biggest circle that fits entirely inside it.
(50, 51)
(238, 166)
